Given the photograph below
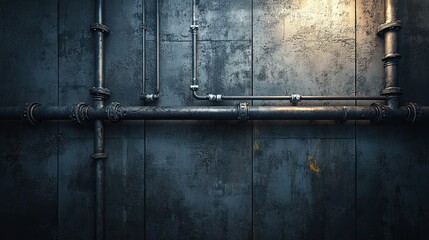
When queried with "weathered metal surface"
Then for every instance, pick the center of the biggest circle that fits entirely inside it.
(125, 189)
(197, 176)
(28, 156)
(198, 180)
(303, 189)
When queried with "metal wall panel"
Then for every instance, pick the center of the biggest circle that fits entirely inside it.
(28, 165)
(207, 179)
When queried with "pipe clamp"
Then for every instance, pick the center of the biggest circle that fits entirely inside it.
(243, 111)
(29, 113)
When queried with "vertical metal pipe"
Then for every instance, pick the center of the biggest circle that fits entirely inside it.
(100, 94)
(194, 28)
(144, 27)
(389, 30)
(158, 40)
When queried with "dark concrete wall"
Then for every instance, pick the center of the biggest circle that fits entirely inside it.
(207, 179)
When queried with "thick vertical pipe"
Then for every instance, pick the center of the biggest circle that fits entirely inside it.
(389, 30)
(100, 94)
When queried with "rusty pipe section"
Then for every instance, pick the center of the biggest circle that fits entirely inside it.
(115, 112)
(390, 31)
(100, 94)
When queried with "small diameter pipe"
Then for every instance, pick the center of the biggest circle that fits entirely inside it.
(144, 28)
(153, 96)
(218, 97)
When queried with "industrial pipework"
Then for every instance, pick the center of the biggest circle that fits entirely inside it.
(100, 94)
(294, 98)
(114, 112)
(389, 30)
(152, 96)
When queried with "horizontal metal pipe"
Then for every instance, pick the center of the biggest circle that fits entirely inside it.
(305, 98)
(218, 113)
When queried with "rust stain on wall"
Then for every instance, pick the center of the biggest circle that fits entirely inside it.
(312, 163)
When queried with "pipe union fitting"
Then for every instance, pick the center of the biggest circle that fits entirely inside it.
(215, 98)
(296, 98)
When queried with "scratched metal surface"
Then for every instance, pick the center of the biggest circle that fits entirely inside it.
(206, 179)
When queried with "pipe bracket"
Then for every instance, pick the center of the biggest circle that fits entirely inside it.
(113, 112)
(98, 27)
(102, 93)
(29, 113)
(243, 111)
(97, 156)
(79, 113)
(414, 112)
(381, 112)
(395, 25)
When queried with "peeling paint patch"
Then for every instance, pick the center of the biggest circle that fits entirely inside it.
(312, 163)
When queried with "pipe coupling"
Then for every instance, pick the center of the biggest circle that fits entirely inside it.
(415, 112)
(98, 27)
(79, 112)
(214, 98)
(150, 97)
(194, 87)
(381, 112)
(243, 111)
(114, 112)
(101, 93)
(99, 156)
(295, 98)
(29, 113)
(389, 26)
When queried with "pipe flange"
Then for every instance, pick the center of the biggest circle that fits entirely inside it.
(98, 27)
(414, 112)
(243, 111)
(102, 93)
(29, 113)
(113, 112)
(295, 98)
(97, 156)
(381, 112)
(395, 25)
(79, 113)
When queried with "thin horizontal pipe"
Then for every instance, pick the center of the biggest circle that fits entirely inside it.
(305, 98)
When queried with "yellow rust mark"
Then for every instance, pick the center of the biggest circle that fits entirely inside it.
(256, 130)
(256, 146)
(312, 162)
